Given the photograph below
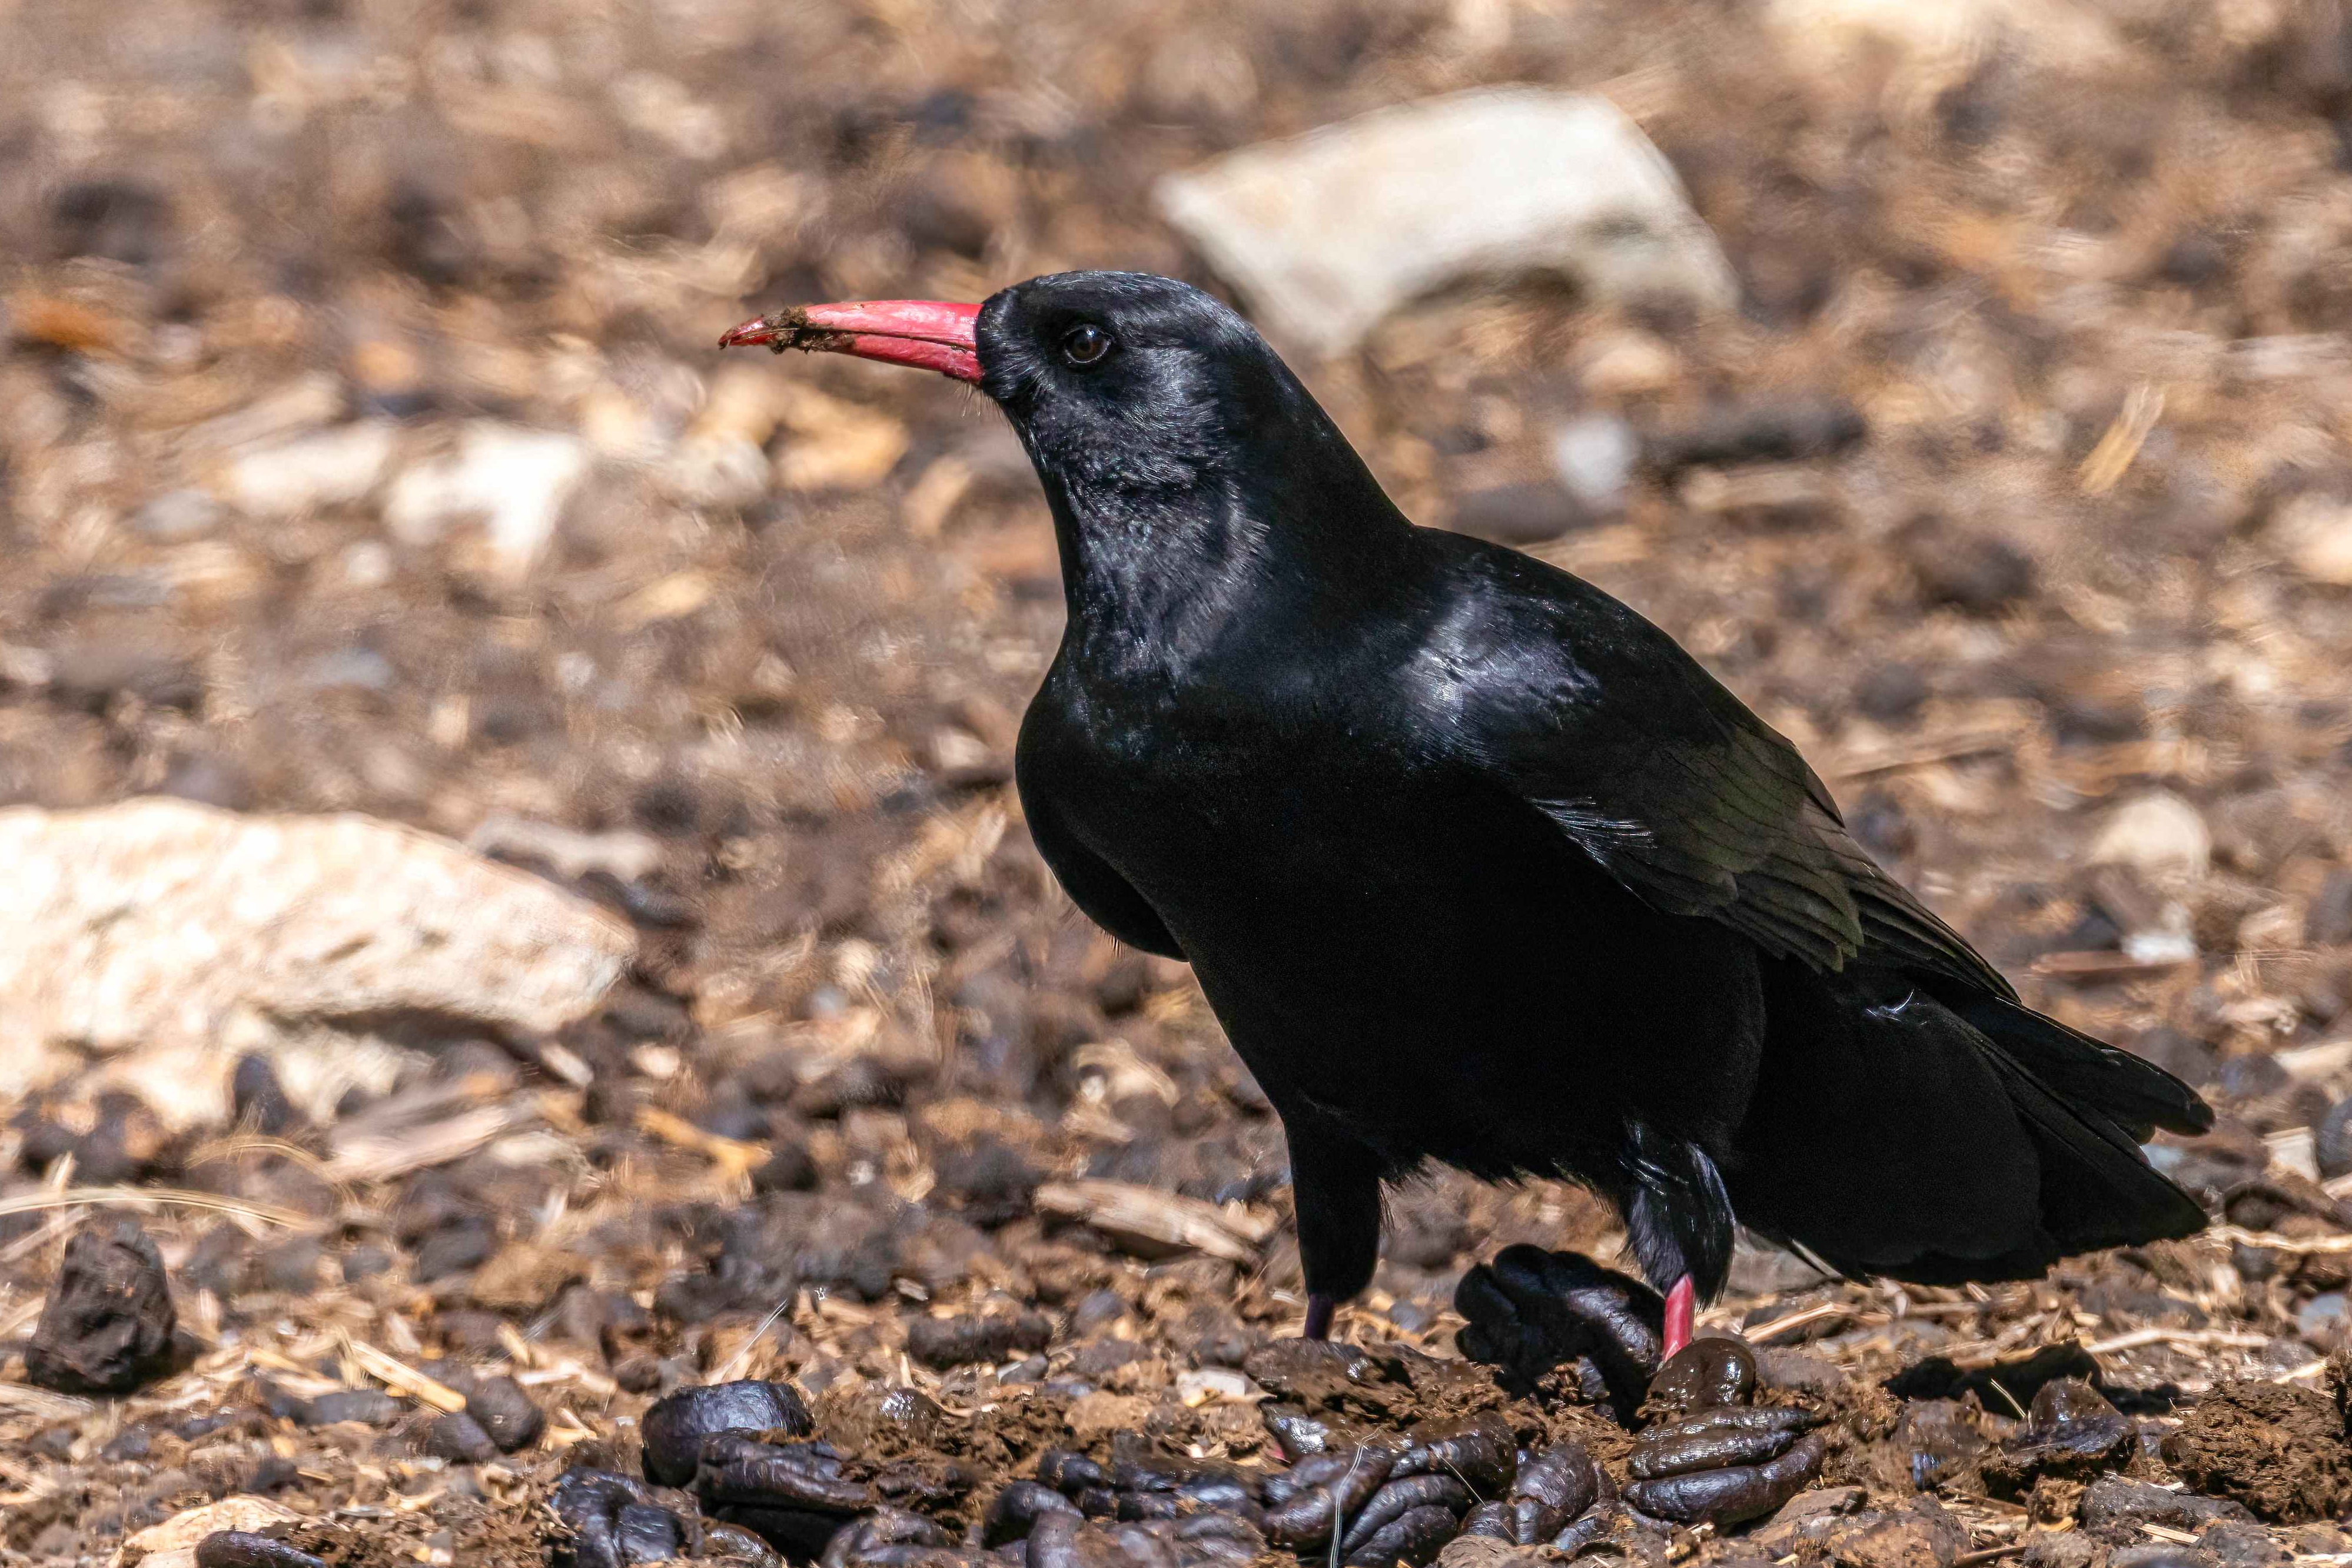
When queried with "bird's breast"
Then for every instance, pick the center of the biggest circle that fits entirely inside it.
(1392, 943)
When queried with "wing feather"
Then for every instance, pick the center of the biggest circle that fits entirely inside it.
(1647, 764)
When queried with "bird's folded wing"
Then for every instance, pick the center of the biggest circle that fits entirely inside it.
(1663, 777)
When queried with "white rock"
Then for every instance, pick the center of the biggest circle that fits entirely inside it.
(1626, 362)
(1208, 1385)
(513, 481)
(1952, 35)
(627, 855)
(2314, 532)
(367, 564)
(1327, 234)
(2158, 833)
(1594, 456)
(2166, 944)
(716, 470)
(2295, 1151)
(182, 1532)
(300, 405)
(177, 515)
(159, 931)
(336, 467)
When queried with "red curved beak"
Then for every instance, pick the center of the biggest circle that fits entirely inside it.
(929, 334)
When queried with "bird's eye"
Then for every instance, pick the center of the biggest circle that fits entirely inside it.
(1085, 345)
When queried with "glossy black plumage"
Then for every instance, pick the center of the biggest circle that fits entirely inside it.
(1475, 864)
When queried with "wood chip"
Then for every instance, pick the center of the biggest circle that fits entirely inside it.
(403, 1380)
(1973, 739)
(379, 1155)
(1764, 1332)
(41, 1403)
(2166, 1532)
(677, 595)
(58, 321)
(69, 1197)
(183, 1530)
(2112, 458)
(2178, 1338)
(1151, 1223)
(2315, 1063)
(2103, 965)
(2271, 1241)
(737, 1157)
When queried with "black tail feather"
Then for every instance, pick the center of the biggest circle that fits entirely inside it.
(1894, 1134)
(2138, 1095)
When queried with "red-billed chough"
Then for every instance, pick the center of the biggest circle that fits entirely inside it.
(1477, 866)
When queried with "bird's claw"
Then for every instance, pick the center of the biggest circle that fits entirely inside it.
(1530, 1311)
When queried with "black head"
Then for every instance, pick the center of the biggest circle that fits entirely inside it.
(1125, 382)
(1151, 412)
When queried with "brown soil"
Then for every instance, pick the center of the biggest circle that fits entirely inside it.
(2281, 1451)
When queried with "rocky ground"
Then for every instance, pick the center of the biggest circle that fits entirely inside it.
(362, 451)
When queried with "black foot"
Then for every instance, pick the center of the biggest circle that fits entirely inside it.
(1320, 1310)
(1531, 1310)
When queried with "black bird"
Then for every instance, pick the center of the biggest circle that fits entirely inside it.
(1477, 866)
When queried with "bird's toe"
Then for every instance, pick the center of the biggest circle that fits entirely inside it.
(1529, 1311)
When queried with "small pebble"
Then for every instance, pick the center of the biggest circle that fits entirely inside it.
(368, 1406)
(177, 515)
(675, 1427)
(257, 1098)
(244, 1549)
(2328, 921)
(787, 1170)
(131, 1443)
(460, 1247)
(1890, 692)
(2323, 1318)
(458, 1437)
(365, 1262)
(1518, 514)
(2156, 832)
(107, 1326)
(1978, 573)
(291, 1266)
(505, 1413)
(1594, 456)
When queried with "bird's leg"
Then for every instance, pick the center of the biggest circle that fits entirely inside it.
(1335, 1186)
(1682, 1315)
